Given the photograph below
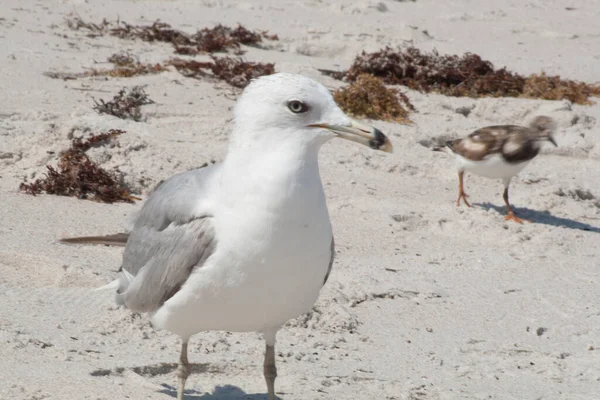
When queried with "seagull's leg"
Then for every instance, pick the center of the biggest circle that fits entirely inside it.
(461, 190)
(270, 370)
(183, 369)
(510, 215)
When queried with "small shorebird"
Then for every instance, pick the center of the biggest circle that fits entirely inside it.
(247, 244)
(499, 152)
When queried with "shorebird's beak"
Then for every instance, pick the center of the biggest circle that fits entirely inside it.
(359, 133)
(551, 140)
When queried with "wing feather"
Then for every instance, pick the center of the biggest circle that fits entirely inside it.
(486, 141)
(167, 258)
(330, 267)
(172, 236)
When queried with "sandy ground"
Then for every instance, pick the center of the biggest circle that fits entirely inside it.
(426, 301)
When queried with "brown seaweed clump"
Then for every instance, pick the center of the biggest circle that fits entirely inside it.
(125, 65)
(466, 75)
(234, 71)
(368, 97)
(123, 59)
(78, 176)
(75, 23)
(547, 87)
(118, 71)
(207, 40)
(126, 104)
(220, 38)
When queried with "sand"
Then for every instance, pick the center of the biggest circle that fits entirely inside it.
(426, 301)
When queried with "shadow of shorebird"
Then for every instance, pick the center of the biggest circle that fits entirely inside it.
(541, 217)
(227, 392)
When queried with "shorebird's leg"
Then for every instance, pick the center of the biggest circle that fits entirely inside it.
(461, 190)
(510, 215)
(270, 370)
(183, 369)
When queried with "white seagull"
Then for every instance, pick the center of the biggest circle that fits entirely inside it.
(244, 245)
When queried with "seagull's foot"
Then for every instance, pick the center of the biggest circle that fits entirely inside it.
(270, 376)
(462, 195)
(270, 372)
(183, 371)
(512, 217)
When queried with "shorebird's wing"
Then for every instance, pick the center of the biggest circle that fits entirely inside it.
(519, 147)
(483, 142)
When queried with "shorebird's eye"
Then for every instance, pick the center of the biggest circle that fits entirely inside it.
(297, 107)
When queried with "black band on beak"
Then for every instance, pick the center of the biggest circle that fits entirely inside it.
(378, 141)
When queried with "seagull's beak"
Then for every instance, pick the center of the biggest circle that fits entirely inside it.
(359, 133)
(551, 140)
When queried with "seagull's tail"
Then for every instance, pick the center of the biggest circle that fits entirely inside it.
(118, 239)
(109, 286)
(123, 283)
(120, 285)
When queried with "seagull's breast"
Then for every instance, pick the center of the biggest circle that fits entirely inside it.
(286, 235)
(273, 252)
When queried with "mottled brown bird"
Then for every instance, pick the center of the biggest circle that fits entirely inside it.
(499, 152)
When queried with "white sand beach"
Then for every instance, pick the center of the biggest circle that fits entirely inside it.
(426, 301)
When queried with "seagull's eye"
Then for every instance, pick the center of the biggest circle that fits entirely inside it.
(297, 107)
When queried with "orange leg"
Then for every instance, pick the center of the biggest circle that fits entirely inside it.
(510, 216)
(461, 190)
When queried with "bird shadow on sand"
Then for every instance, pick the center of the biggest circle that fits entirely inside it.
(227, 392)
(541, 217)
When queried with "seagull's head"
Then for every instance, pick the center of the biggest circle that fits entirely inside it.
(543, 128)
(292, 107)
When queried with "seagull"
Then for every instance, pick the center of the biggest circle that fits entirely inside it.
(499, 152)
(247, 244)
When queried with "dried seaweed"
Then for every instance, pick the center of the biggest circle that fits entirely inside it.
(239, 73)
(157, 32)
(123, 59)
(207, 40)
(234, 71)
(98, 140)
(220, 38)
(192, 68)
(75, 23)
(126, 104)
(554, 88)
(466, 75)
(127, 71)
(368, 97)
(76, 175)
(65, 76)
(125, 66)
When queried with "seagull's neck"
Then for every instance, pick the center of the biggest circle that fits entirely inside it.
(275, 168)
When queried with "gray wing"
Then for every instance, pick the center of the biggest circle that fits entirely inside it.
(330, 261)
(170, 239)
